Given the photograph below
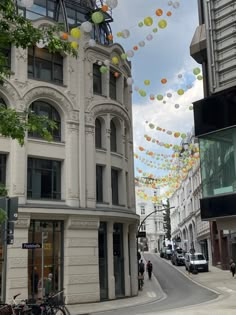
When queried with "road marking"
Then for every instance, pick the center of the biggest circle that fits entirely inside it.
(151, 294)
(226, 289)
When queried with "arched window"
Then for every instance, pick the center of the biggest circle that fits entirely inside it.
(113, 137)
(44, 109)
(2, 103)
(98, 134)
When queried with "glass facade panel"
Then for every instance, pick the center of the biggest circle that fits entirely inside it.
(113, 137)
(44, 179)
(118, 256)
(112, 86)
(103, 272)
(115, 186)
(218, 162)
(99, 183)
(98, 134)
(45, 260)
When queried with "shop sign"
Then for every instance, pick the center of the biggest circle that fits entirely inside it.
(31, 245)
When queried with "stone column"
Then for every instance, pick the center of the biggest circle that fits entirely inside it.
(110, 262)
(90, 163)
(72, 169)
(126, 259)
(17, 260)
(133, 259)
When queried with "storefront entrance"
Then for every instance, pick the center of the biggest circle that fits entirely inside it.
(45, 262)
(103, 261)
(118, 255)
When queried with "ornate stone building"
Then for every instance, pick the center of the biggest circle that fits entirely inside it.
(76, 193)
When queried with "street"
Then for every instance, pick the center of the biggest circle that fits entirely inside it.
(179, 290)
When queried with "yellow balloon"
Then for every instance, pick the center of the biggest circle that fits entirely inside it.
(148, 21)
(115, 60)
(180, 91)
(146, 82)
(75, 32)
(162, 23)
(74, 45)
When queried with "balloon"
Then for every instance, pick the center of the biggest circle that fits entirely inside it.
(136, 88)
(180, 76)
(115, 60)
(168, 13)
(142, 93)
(190, 107)
(74, 45)
(97, 17)
(92, 42)
(25, 3)
(75, 32)
(110, 36)
(155, 30)
(180, 91)
(163, 81)
(159, 97)
(152, 97)
(162, 24)
(151, 126)
(86, 27)
(159, 12)
(135, 48)
(64, 36)
(112, 3)
(106, 62)
(170, 3)
(103, 69)
(99, 63)
(169, 95)
(123, 56)
(119, 34)
(196, 71)
(142, 43)
(104, 8)
(148, 21)
(41, 44)
(183, 135)
(116, 74)
(147, 82)
(149, 37)
(176, 105)
(130, 53)
(189, 86)
(176, 134)
(130, 81)
(140, 24)
(125, 33)
(176, 5)
(199, 77)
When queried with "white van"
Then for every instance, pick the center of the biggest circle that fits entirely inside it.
(196, 262)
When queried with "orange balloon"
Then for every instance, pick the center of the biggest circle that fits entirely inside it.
(159, 12)
(104, 8)
(163, 81)
(64, 36)
(116, 74)
(110, 36)
(135, 48)
(168, 13)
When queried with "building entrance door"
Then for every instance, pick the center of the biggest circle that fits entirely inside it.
(118, 256)
(45, 265)
(102, 236)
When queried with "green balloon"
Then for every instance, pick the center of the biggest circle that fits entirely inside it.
(97, 17)
(103, 69)
(196, 71)
(159, 97)
(142, 93)
(123, 56)
(140, 24)
(199, 77)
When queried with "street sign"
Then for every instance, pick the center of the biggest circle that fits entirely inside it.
(31, 245)
(141, 234)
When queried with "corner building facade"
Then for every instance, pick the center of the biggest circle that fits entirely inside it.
(76, 193)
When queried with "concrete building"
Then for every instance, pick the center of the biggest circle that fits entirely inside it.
(187, 229)
(213, 46)
(76, 193)
(153, 225)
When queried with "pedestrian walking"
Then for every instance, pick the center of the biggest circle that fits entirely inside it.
(232, 267)
(149, 269)
(141, 269)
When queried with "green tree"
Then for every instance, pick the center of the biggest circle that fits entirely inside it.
(20, 32)
(166, 216)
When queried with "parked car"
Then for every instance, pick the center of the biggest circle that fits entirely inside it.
(196, 262)
(177, 257)
(168, 253)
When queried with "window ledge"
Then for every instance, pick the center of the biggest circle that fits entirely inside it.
(46, 202)
(101, 149)
(49, 82)
(59, 143)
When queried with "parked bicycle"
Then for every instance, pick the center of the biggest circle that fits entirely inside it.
(15, 308)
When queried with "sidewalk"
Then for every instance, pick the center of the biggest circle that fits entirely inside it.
(151, 292)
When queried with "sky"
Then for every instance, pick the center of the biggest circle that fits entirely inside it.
(166, 56)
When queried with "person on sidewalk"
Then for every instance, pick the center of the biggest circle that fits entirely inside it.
(149, 269)
(232, 267)
(141, 269)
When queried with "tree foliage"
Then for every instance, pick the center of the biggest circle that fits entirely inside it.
(20, 32)
(167, 224)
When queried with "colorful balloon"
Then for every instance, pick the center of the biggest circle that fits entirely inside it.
(123, 56)
(112, 3)
(74, 45)
(180, 92)
(162, 24)
(75, 32)
(148, 21)
(86, 27)
(147, 82)
(196, 71)
(163, 81)
(115, 60)
(97, 17)
(159, 12)
(159, 97)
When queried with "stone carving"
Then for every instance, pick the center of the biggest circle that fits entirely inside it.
(48, 92)
(90, 130)
(21, 54)
(12, 92)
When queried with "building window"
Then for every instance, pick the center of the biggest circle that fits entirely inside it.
(143, 227)
(3, 159)
(99, 183)
(44, 109)
(115, 186)
(97, 79)
(98, 134)
(112, 86)
(113, 137)
(142, 210)
(5, 54)
(2, 103)
(44, 65)
(44, 179)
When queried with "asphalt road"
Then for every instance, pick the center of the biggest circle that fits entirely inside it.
(180, 291)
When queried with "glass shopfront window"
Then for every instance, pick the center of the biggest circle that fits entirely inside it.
(46, 260)
(218, 162)
(103, 272)
(118, 256)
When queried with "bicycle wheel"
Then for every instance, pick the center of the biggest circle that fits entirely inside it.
(57, 310)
